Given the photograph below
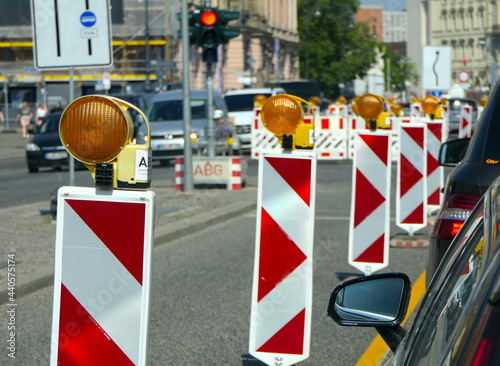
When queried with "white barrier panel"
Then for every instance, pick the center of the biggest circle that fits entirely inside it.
(435, 176)
(280, 328)
(338, 110)
(416, 110)
(228, 170)
(102, 279)
(465, 127)
(330, 137)
(370, 209)
(262, 139)
(411, 190)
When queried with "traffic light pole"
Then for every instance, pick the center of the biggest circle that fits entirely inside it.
(188, 155)
(210, 111)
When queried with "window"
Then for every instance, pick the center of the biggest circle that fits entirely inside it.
(172, 110)
(450, 294)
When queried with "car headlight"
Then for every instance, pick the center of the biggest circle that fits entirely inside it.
(32, 147)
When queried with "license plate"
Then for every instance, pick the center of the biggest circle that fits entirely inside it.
(169, 147)
(56, 155)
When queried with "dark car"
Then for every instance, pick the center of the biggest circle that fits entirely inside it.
(477, 164)
(45, 149)
(457, 320)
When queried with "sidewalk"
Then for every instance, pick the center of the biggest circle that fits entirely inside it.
(28, 231)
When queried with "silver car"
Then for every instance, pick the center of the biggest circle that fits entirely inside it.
(165, 115)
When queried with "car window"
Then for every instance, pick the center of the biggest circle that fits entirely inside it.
(50, 125)
(172, 110)
(242, 102)
(448, 295)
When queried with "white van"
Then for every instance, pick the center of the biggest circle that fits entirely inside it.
(240, 105)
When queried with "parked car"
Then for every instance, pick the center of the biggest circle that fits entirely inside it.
(454, 113)
(457, 320)
(45, 148)
(477, 164)
(165, 116)
(240, 104)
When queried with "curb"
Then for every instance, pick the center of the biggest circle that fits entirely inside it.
(163, 234)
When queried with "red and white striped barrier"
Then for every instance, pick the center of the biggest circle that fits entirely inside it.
(338, 110)
(330, 137)
(411, 189)
(228, 170)
(104, 247)
(262, 139)
(435, 177)
(369, 223)
(282, 283)
(465, 127)
(416, 110)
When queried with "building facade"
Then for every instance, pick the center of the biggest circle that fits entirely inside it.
(147, 50)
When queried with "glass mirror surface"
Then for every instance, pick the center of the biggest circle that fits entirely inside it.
(453, 152)
(373, 300)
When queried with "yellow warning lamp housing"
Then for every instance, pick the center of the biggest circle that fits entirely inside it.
(482, 101)
(430, 106)
(98, 131)
(283, 116)
(369, 108)
(259, 100)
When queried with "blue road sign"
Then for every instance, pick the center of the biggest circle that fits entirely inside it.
(437, 93)
(88, 19)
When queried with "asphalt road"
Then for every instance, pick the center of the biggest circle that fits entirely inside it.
(202, 291)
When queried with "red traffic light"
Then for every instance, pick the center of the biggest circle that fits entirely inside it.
(208, 18)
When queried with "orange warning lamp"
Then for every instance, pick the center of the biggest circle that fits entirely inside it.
(430, 105)
(369, 108)
(282, 115)
(396, 109)
(314, 101)
(341, 100)
(259, 100)
(482, 101)
(98, 131)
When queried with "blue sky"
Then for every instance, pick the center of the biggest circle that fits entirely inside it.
(386, 4)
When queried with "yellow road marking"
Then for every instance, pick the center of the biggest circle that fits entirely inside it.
(378, 348)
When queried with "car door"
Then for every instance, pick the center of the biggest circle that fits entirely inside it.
(449, 297)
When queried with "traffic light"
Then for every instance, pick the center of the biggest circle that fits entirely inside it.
(209, 36)
(208, 29)
(98, 131)
(225, 34)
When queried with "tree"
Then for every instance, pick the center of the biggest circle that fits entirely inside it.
(334, 49)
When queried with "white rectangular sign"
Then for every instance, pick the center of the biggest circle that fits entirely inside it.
(73, 33)
(436, 67)
(102, 279)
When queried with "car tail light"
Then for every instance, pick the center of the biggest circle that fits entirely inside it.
(454, 214)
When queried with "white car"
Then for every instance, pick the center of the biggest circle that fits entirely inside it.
(240, 105)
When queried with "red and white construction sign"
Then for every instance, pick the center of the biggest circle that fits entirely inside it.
(411, 186)
(104, 246)
(465, 127)
(435, 176)
(369, 223)
(282, 287)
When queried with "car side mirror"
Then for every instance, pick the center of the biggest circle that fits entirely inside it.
(379, 300)
(453, 152)
(376, 300)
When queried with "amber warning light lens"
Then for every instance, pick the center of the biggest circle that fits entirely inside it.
(281, 114)
(95, 130)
